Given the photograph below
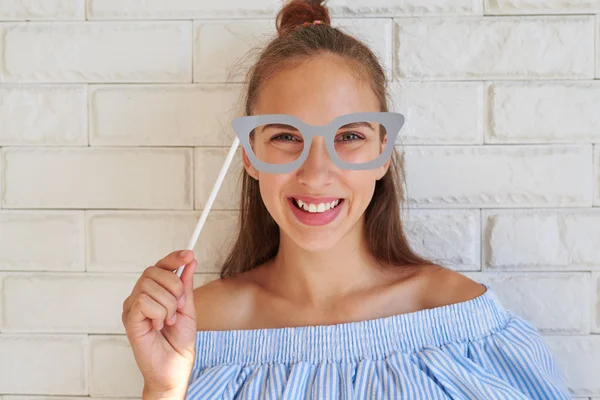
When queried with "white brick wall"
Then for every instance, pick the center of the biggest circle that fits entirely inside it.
(115, 120)
(549, 112)
(43, 115)
(34, 10)
(495, 48)
(95, 52)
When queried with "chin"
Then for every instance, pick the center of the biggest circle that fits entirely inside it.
(317, 243)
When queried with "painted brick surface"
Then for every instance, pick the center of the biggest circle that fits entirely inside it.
(115, 119)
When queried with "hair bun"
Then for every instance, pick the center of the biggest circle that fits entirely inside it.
(297, 12)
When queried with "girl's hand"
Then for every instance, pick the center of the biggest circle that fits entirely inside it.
(160, 320)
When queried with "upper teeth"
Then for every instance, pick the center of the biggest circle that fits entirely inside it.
(316, 208)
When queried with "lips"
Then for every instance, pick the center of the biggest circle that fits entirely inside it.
(317, 218)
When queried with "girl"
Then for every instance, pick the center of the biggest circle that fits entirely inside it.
(326, 301)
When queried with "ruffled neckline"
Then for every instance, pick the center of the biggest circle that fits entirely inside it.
(351, 341)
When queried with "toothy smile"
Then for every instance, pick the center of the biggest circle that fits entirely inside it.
(316, 207)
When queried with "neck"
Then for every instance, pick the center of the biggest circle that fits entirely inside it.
(321, 278)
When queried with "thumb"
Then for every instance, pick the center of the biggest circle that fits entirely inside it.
(188, 288)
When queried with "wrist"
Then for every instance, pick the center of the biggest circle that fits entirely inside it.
(171, 394)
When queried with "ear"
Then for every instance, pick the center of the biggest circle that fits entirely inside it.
(248, 165)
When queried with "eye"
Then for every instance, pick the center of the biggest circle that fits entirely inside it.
(285, 137)
(351, 134)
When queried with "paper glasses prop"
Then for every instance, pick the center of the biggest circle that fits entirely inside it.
(271, 154)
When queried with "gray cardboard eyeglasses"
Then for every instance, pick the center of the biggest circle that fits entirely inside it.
(392, 122)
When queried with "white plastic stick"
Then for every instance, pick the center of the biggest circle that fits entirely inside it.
(211, 199)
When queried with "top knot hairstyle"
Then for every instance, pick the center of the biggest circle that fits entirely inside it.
(258, 236)
(297, 13)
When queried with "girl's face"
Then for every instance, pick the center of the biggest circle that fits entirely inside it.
(317, 92)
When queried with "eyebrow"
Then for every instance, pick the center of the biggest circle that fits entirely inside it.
(358, 124)
(281, 126)
(350, 125)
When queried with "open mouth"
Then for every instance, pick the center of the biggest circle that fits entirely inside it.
(316, 208)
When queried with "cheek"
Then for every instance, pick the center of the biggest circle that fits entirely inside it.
(272, 188)
(361, 181)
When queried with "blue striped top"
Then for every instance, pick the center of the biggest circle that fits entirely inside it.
(476, 349)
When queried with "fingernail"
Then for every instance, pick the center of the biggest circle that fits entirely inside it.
(174, 318)
(182, 301)
(183, 254)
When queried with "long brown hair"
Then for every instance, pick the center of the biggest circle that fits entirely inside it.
(258, 237)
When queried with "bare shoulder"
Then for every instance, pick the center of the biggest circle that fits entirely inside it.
(443, 286)
(223, 303)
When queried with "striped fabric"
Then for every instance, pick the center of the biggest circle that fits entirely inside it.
(475, 349)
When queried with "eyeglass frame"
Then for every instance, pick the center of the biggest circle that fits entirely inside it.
(392, 122)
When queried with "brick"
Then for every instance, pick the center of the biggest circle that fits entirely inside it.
(596, 175)
(541, 239)
(29, 364)
(102, 293)
(42, 241)
(485, 176)
(1, 302)
(43, 115)
(220, 48)
(156, 51)
(97, 178)
(377, 33)
(597, 47)
(495, 48)
(180, 9)
(596, 302)
(216, 239)
(189, 9)
(163, 115)
(132, 241)
(31, 10)
(208, 165)
(379, 8)
(556, 303)
(113, 370)
(578, 358)
(449, 237)
(543, 112)
(541, 7)
(439, 112)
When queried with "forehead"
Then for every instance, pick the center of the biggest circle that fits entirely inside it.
(316, 91)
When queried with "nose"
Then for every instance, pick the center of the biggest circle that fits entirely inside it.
(316, 169)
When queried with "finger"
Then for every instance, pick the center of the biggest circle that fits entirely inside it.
(145, 307)
(161, 296)
(175, 260)
(187, 276)
(126, 304)
(166, 279)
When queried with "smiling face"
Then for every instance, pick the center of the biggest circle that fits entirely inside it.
(316, 92)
